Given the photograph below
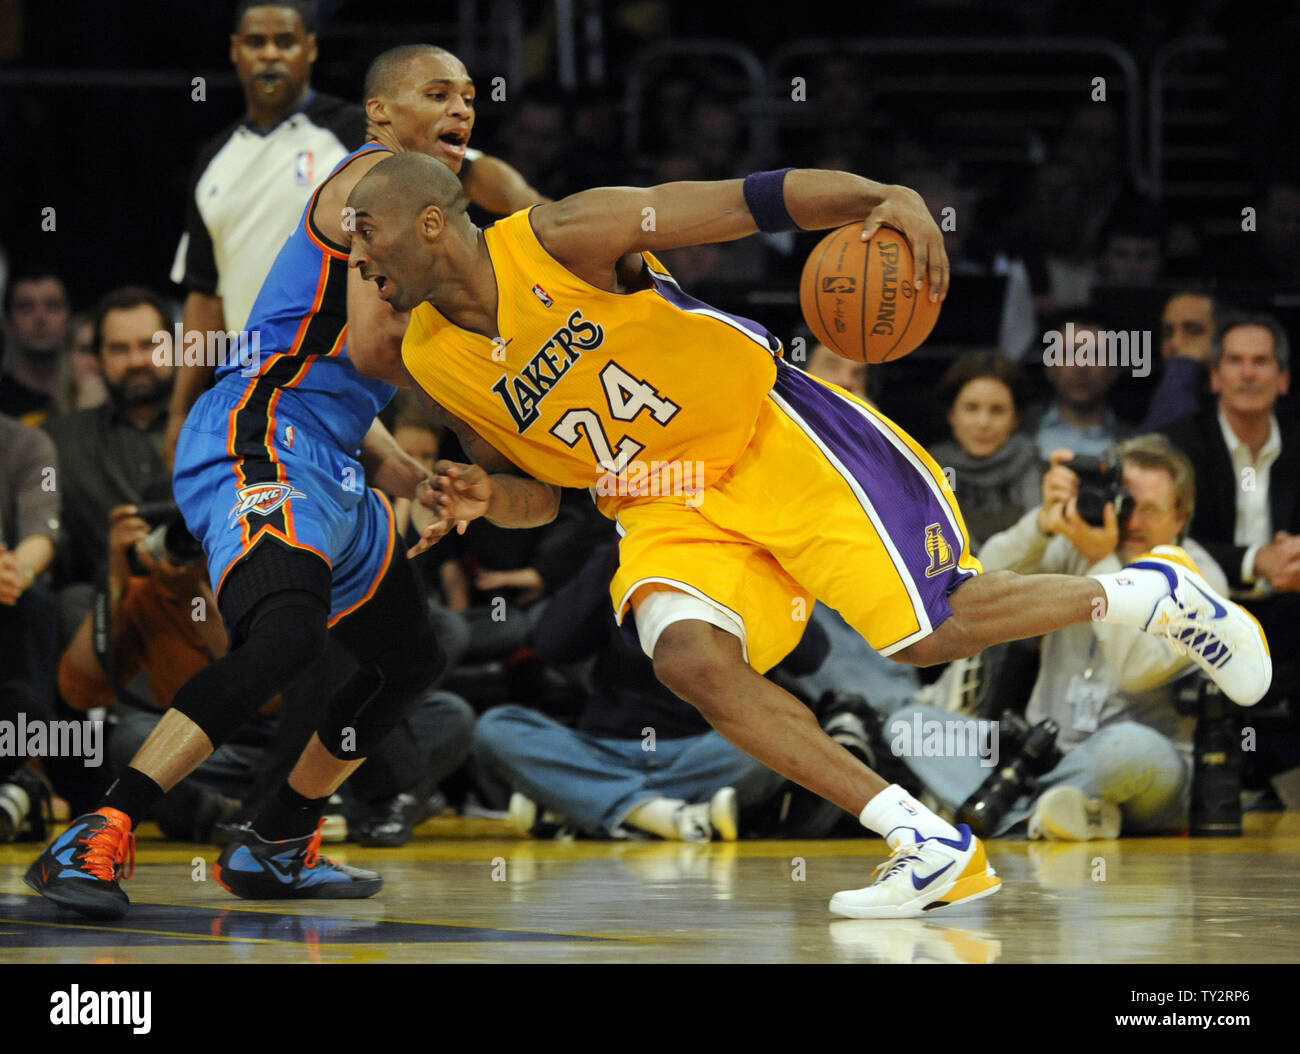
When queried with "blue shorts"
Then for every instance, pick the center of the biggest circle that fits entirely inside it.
(245, 470)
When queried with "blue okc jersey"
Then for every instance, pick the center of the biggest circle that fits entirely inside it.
(270, 451)
(300, 319)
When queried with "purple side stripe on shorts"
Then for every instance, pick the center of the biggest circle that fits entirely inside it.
(900, 489)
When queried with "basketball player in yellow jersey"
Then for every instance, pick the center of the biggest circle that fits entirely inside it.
(743, 487)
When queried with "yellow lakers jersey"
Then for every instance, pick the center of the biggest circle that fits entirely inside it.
(635, 395)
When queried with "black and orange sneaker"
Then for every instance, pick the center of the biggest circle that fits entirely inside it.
(80, 869)
(255, 869)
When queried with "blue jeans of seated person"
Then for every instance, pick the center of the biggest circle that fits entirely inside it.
(1136, 767)
(853, 666)
(596, 782)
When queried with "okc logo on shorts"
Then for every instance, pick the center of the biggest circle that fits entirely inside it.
(262, 498)
(939, 551)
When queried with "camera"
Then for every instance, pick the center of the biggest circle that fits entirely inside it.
(1028, 752)
(169, 539)
(1100, 481)
(1215, 809)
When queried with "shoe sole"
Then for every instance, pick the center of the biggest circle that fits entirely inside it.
(279, 891)
(100, 910)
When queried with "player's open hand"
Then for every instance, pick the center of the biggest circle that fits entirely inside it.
(458, 492)
(905, 210)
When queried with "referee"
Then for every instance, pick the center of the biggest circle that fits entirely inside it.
(252, 180)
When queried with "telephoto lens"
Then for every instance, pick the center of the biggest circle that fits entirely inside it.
(1029, 755)
(1216, 767)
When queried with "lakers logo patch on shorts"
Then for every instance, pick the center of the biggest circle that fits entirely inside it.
(941, 554)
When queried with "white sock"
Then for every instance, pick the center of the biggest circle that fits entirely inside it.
(898, 817)
(656, 816)
(1132, 595)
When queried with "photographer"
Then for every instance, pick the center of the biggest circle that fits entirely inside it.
(1125, 749)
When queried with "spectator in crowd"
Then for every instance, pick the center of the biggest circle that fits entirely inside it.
(993, 469)
(1132, 244)
(717, 137)
(1079, 417)
(536, 140)
(507, 570)
(1126, 763)
(836, 369)
(29, 532)
(947, 203)
(109, 454)
(1091, 151)
(1248, 469)
(81, 381)
(640, 758)
(1270, 252)
(1187, 326)
(696, 265)
(36, 341)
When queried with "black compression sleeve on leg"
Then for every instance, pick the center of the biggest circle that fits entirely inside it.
(277, 640)
(398, 656)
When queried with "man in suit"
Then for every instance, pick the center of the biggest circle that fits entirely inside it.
(1248, 475)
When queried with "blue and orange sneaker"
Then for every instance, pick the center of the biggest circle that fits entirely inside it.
(255, 869)
(80, 869)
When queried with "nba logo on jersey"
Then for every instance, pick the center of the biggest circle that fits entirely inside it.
(303, 166)
(938, 549)
(542, 295)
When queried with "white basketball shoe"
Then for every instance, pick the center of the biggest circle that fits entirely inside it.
(923, 877)
(1221, 637)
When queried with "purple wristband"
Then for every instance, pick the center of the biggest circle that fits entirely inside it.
(765, 196)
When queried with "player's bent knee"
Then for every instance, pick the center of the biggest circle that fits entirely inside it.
(697, 662)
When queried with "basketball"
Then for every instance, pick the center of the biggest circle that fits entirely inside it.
(858, 298)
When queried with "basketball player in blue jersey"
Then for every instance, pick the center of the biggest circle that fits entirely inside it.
(271, 473)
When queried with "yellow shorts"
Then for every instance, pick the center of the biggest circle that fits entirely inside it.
(830, 500)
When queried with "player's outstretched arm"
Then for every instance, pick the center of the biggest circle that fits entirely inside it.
(498, 187)
(589, 231)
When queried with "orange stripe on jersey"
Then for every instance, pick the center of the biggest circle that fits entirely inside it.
(322, 280)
